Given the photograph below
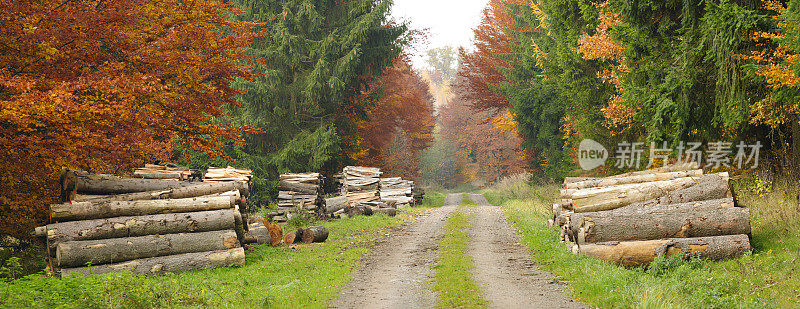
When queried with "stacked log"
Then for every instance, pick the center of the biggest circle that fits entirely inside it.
(299, 195)
(632, 218)
(144, 225)
(164, 171)
(215, 174)
(361, 186)
(397, 190)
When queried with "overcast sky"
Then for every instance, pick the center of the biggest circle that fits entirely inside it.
(450, 22)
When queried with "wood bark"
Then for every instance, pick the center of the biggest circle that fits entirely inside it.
(258, 234)
(353, 211)
(146, 175)
(386, 211)
(109, 184)
(165, 264)
(334, 204)
(664, 169)
(99, 210)
(568, 180)
(104, 251)
(606, 182)
(614, 197)
(643, 252)
(708, 187)
(298, 187)
(196, 190)
(693, 219)
(315, 234)
(131, 226)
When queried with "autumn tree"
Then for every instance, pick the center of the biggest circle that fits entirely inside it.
(442, 62)
(399, 124)
(106, 86)
(490, 150)
(311, 66)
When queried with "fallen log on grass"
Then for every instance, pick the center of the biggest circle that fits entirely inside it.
(358, 210)
(98, 210)
(391, 212)
(165, 264)
(315, 234)
(686, 220)
(104, 251)
(643, 252)
(131, 226)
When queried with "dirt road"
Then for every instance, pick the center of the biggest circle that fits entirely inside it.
(397, 274)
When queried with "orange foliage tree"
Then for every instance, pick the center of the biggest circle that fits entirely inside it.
(105, 86)
(602, 46)
(490, 143)
(481, 68)
(399, 124)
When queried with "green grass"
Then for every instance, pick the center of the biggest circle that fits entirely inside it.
(765, 278)
(307, 276)
(453, 281)
(433, 199)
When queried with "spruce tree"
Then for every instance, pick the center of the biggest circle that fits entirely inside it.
(315, 58)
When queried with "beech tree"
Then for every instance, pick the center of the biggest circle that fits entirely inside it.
(106, 86)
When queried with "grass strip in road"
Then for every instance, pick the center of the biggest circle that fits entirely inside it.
(302, 276)
(453, 281)
(765, 278)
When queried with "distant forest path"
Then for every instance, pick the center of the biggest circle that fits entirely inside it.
(399, 272)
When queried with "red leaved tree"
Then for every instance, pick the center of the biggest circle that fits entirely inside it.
(105, 86)
(399, 124)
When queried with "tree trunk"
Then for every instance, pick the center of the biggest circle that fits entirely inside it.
(99, 210)
(165, 264)
(288, 238)
(642, 252)
(258, 234)
(298, 187)
(104, 251)
(694, 219)
(275, 233)
(146, 175)
(334, 204)
(708, 187)
(110, 184)
(664, 169)
(359, 211)
(315, 234)
(391, 212)
(608, 198)
(117, 227)
(198, 189)
(568, 180)
(607, 182)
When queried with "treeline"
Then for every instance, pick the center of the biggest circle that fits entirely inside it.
(272, 86)
(640, 71)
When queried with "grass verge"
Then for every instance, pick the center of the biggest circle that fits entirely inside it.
(765, 278)
(433, 199)
(307, 276)
(453, 281)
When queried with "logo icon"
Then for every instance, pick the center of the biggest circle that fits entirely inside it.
(591, 154)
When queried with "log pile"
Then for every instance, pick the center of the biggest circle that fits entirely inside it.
(298, 195)
(630, 219)
(397, 190)
(264, 232)
(165, 171)
(145, 226)
(361, 185)
(215, 174)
